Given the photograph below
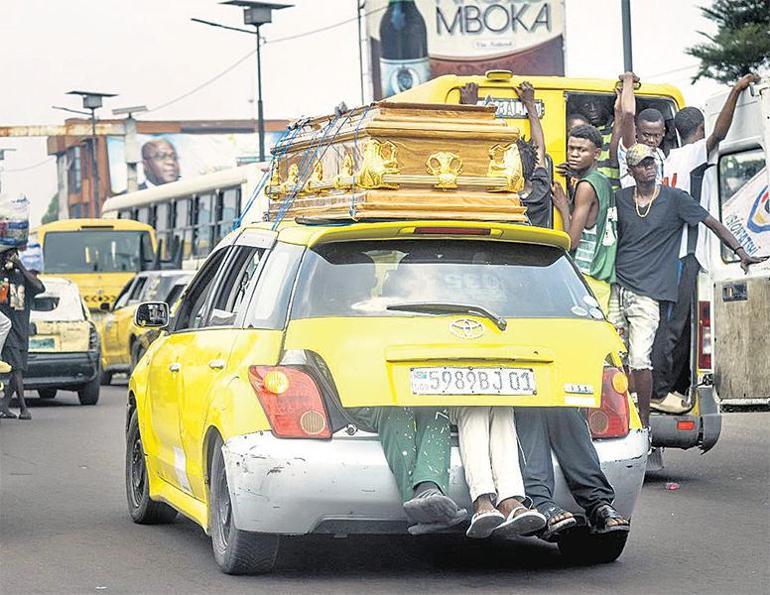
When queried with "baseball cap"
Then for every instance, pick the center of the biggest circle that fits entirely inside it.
(638, 153)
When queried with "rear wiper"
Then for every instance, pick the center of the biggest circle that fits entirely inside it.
(445, 308)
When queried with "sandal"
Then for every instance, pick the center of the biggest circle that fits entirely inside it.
(25, 415)
(522, 520)
(552, 527)
(603, 513)
(8, 415)
(484, 523)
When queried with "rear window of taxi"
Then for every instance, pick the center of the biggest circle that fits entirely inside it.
(512, 280)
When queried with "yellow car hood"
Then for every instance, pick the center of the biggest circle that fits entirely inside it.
(370, 358)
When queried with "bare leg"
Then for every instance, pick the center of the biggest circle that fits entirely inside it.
(643, 385)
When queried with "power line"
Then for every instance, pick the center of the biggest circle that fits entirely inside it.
(241, 60)
(29, 167)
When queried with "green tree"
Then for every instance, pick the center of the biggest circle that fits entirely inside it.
(52, 212)
(742, 43)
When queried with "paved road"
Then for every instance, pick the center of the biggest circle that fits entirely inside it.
(64, 527)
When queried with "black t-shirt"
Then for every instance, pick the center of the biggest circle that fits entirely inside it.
(539, 200)
(648, 247)
(18, 294)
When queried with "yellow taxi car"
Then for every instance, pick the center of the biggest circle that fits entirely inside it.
(239, 414)
(122, 346)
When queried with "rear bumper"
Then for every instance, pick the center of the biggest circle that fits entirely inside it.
(344, 485)
(688, 431)
(61, 370)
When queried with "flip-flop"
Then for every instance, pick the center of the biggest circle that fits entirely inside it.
(425, 528)
(603, 513)
(484, 523)
(430, 506)
(524, 523)
(8, 415)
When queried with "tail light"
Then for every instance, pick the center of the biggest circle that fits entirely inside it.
(611, 419)
(291, 401)
(704, 335)
(93, 338)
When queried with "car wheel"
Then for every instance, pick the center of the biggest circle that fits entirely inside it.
(236, 551)
(142, 509)
(105, 378)
(46, 393)
(586, 549)
(89, 394)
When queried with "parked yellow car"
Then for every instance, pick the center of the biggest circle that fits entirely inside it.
(238, 414)
(121, 344)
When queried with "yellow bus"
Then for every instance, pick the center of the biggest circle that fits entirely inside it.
(99, 255)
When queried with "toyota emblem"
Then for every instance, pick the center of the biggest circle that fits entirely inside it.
(465, 328)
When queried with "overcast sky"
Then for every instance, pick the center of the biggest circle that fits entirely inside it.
(150, 52)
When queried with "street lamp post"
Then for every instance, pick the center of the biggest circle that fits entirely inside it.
(92, 101)
(131, 145)
(258, 14)
(2, 160)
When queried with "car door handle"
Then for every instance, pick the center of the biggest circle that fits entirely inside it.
(175, 367)
(217, 364)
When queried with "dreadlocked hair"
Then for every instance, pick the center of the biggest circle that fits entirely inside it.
(528, 155)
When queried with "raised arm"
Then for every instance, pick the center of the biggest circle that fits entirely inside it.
(526, 93)
(725, 118)
(628, 108)
(575, 222)
(729, 240)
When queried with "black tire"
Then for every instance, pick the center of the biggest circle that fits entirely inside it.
(586, 549)
(142, 509)
(46, 393)
(89, 393)
(105, 378)
(236, 551)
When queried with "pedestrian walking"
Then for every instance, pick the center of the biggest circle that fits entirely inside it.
(18, 287)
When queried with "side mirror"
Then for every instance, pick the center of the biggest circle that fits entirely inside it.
(105, 306)
(152, 315)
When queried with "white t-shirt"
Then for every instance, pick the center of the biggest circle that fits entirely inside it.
(677, 167)
(626, 181)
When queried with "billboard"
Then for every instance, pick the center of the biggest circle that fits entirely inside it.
(412, 41)
(166, 158)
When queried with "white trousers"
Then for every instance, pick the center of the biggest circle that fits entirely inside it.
(5, 328)
(489, 451)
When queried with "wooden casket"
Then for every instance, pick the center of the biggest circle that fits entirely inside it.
(396, 160)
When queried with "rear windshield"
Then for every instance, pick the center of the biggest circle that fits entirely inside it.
(511, 280)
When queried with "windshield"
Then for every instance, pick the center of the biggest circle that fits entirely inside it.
(158, 287)
(508, 279)
(95, 251)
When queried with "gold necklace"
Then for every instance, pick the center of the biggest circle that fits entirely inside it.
(649, 204)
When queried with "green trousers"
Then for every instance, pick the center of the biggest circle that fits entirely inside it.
(416, 443)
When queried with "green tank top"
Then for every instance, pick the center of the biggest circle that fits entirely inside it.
(595, 253)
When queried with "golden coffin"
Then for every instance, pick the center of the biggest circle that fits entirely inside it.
(396, 160)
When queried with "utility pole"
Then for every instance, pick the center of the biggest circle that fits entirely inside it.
(93, 101)
(131, 149)
(628, 59)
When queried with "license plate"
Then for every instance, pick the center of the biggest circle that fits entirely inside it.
(472, 381)
(42, 343)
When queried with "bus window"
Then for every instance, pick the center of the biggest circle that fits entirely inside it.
(163, 225)
(183, 225)
(743, 201)
(96, 251)
(231, 207)
(204, 224)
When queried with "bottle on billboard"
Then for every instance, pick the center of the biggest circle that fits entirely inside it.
(404, 48)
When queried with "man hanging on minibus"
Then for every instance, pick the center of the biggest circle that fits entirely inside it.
(684, 168)
(650, 222)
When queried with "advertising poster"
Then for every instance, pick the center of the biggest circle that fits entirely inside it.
(168, 157)
(412, 41)
(747, 215)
